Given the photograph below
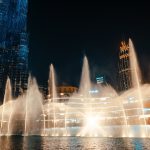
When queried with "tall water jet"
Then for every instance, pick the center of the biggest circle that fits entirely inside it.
(136, 77)
(86, 98)
(52, 94)
(26, 108)
(52, 84)
(85, 82)
(44, 124)
(7, 100)
(11, 107)
(33, 98)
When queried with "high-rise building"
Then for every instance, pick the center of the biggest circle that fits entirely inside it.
(13, 45)
(124, 67)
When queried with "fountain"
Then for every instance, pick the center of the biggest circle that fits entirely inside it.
(52, 98)
(6, 116)
(33, 98)
(20, 116)
(94, 111)
(85, 82)
(136, 80)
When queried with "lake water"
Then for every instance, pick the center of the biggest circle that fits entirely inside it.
(72, 143)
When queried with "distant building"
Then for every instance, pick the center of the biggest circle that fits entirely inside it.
(101, 79)
(124, 67)
(13, 45)
(66, 91)
(63, 93)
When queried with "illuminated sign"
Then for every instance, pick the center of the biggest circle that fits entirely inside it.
(124, 46)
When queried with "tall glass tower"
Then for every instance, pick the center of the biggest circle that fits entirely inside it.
(125, 81)
(13, 45)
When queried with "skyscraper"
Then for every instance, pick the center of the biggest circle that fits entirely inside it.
(13, 45)
(124, 67)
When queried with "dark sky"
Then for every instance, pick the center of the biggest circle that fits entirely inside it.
(61, 32)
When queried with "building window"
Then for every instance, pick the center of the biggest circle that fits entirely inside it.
(1, 16)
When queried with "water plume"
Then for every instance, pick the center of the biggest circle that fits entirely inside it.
(6, 116)
(85, 82)
(52, 96)
(136, 77)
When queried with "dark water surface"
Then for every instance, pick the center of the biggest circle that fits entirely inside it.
(73, 143)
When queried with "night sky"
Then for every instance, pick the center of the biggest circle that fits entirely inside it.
(62, 32)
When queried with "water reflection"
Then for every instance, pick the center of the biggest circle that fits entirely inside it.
(10, 143)
(32, 142)
(72, 143)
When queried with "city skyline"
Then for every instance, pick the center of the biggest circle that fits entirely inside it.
(62, 33)
(66, 51)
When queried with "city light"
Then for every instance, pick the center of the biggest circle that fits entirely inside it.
(91, 121)
(91, 126)
(94, 91)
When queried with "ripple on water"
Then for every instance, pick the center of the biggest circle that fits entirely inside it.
(72, 143)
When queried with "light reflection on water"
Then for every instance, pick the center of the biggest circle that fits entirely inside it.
(72, 143)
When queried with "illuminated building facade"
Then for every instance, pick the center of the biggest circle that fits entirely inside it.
(124, 67)
(66, 92)
(13, 45)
